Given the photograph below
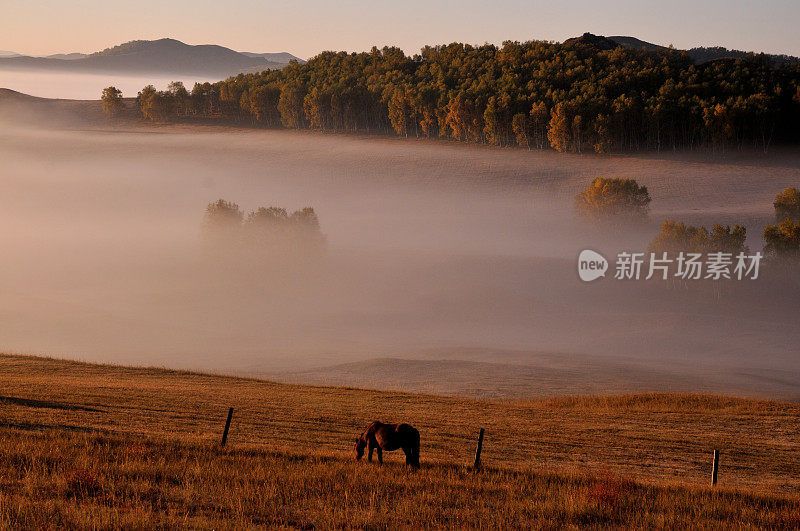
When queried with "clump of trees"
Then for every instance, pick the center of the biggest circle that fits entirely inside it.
(112, 103)
(163, 105)
(222, 222)
(676, 237)
(613, 200)
(585, 94)
(264, 229)
(782, 241)
(787, 205)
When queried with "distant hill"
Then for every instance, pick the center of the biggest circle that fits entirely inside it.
(280, 57)
(593, 42)
(5, 53)
(67, 56)
(704, 55)
(698, 55)
(633, 42)
(163, 56)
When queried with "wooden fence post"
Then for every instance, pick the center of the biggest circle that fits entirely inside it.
(715, 468)
(477, 464)
(227, 427)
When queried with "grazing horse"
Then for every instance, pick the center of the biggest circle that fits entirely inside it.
(379, 436)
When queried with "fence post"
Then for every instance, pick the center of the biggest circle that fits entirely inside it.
(715, 468)
(477, 464)
(227, 427)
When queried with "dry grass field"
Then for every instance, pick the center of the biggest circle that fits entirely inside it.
(93, 446)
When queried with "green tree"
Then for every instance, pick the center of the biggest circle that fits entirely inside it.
(112, 101)
(180, 97)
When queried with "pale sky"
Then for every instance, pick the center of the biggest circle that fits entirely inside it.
(305, 28)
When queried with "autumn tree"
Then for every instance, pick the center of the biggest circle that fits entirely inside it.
(540, 117)
(521, 127)
(677, 237)
(727, 239)
(782, 241)
(401, 111)
(787, 205)
(613, 200)
(559, 129)
(112, 101)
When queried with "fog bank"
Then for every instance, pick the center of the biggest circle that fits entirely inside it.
(430, 246)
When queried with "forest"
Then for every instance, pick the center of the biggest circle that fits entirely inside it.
(586, 94)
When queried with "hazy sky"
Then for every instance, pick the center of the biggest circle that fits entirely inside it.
(308, 27)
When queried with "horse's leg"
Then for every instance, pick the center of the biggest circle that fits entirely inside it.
(371, 449)
(380, 454)
(409, 455)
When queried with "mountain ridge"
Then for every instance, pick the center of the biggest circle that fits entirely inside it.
(698, 55)
(167, 56)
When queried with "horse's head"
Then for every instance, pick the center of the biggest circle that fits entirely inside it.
(359, 449)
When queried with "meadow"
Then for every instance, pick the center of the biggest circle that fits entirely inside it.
(97, 446)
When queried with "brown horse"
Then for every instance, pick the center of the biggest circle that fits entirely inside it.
(379, 436)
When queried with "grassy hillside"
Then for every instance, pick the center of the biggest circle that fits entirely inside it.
(87, 445)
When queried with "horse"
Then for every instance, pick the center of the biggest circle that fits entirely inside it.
(381, 436)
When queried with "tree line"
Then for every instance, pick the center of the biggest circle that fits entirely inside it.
(573, 96)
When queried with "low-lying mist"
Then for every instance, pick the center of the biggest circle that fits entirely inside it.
(84, 86)
(427, 246)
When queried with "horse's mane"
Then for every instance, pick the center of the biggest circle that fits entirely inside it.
(370, 429)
